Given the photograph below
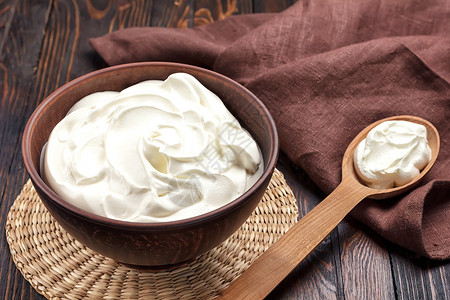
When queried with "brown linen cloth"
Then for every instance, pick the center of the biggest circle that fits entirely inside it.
(326, 70)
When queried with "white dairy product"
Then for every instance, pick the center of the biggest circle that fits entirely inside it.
(392, 154)
(156, 151)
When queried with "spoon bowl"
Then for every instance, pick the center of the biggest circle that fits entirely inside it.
(286, 253)
(348, 170)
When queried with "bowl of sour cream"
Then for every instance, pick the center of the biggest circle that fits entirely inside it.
(150, 163)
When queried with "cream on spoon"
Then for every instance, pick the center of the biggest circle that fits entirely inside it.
(393, 153)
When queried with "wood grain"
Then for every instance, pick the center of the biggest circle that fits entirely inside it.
(318, 276)
(22, 32)
(7, 9)
(177, 14)
(208, 11)
(365, 263)
(417, 277)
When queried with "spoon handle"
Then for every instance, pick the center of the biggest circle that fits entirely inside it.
(284, 255)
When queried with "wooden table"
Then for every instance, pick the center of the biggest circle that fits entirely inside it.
(44, 45)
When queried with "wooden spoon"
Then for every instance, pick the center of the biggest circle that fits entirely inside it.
(284, 255)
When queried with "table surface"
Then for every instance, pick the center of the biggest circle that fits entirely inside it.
(44, 45)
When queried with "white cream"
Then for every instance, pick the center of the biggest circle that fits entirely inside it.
(156, 151)
(392, 154)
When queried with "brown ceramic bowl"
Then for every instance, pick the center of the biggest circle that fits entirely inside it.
(150, 244)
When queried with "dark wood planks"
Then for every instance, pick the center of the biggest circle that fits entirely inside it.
(208, 11)
(22, 30)
(417, 277)
(365, 263)
(318, 276)
(178, 13)
(7, 9)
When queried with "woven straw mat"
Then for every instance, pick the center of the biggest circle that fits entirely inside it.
(59, 267)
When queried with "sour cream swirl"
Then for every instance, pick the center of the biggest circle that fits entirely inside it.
(156, 151)
(393, 154)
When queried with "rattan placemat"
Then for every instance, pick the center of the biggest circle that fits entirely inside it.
(59, 267)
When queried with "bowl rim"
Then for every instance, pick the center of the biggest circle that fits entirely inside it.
(234, 204)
